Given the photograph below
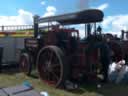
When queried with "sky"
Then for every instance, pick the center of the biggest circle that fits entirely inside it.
(21, 12)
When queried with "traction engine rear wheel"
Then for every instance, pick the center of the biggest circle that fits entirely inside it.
(51, 67)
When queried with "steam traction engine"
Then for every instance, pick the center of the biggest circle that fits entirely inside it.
(59, 53)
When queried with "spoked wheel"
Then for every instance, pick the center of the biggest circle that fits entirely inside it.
(25, 63)
(51, 67)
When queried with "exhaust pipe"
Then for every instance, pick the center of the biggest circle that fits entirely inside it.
(36, 25)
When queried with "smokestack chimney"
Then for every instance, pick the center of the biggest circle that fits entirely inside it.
(83, 4)
(36, 25)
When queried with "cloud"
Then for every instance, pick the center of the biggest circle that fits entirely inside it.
(23, 18)
(50, 11)
(107, 21)
(43, 3)
(114, 24)
(103, 6)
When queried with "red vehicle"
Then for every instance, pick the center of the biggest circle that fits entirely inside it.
(60, 55)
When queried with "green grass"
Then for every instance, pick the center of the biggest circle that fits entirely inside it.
(25, 30)
(15, 78)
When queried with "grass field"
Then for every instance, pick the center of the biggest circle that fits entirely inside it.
(9, 78)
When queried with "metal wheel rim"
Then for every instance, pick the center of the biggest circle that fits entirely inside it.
(50, 70)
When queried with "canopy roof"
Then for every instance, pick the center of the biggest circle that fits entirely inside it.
(85, 16)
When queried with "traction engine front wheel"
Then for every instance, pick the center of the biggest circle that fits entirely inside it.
(25, 63)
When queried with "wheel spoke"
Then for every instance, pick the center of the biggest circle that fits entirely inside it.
(51, 55)
(55, 75)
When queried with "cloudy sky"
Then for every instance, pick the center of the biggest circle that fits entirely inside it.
(20, 12)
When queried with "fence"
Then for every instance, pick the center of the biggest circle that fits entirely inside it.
(16, 31)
